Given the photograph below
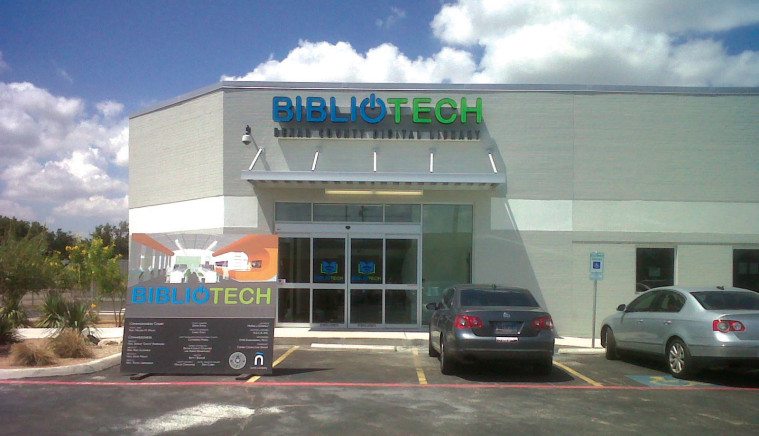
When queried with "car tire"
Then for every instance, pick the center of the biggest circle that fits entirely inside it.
(432, 351)
(611, 345)
(679, 361)
(447, 365)
(544, 366)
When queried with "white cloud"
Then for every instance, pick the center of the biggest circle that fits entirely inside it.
(64, 75)
(110, 108)
(13, 209)
(53, 151)
(601, 42)
(642, 42)
(323, 61)
(97, 206)
(396, 14)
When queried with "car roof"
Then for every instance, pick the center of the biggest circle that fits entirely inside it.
(702, 289)
(489, 287)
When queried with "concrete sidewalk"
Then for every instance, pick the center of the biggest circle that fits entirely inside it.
(303, 336)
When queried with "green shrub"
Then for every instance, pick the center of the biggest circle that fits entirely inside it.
(53, 311)
(61, 313)
(70, 343)
(14, 312)
(31, 354)
(7, 332)
(78, 316)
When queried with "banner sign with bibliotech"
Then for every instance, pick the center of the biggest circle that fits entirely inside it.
(200, 304)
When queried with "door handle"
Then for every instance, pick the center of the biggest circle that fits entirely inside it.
(640, 321)
(667, 322)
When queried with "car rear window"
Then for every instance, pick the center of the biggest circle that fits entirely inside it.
(728, 300)
(497, 297)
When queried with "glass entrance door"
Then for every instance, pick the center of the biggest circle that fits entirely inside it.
(365, 281)
(359, 275)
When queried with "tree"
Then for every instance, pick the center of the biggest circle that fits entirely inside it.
(96, 267)
(118, 236)
(24, 267)
(112, 285)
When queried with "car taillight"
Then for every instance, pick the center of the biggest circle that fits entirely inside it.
(542, 323)
(467, 322)
(728, 325)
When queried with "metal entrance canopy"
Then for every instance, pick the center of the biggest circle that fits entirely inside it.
(401, 180)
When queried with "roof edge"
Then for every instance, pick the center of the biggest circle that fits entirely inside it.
(459, 87)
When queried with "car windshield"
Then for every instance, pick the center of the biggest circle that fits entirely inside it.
(728, 300)
(497, 297)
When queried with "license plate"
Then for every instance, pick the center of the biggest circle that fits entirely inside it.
(506, 339)
(506, 327)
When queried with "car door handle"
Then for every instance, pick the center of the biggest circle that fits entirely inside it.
(667, 322)
(640, 321)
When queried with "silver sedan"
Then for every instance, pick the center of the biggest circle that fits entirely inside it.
(690, 327)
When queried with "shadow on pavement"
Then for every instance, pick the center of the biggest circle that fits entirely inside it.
(509, 373)
(737, 377)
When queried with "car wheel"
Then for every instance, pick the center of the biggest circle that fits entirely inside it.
(544, 366)
(611, 345)
(432, 351)
(447, 365)
(679, 361)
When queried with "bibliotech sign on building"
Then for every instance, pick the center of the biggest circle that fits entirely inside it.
(382, 195)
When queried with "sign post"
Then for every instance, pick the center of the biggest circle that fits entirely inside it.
(596, 274)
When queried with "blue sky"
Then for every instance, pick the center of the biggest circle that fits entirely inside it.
(72, 71)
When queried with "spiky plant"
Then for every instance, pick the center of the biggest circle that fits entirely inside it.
(14, 311)
(78, 316)
(53, 311)
(8, 333)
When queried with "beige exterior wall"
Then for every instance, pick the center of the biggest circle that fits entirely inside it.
(175, 154)
(704, 265)
(585, 171)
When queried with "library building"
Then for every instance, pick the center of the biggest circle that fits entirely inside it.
(383, 195)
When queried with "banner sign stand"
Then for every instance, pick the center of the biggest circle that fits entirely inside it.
(200, 304)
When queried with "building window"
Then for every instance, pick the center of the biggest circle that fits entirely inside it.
(746, 269)
(299, 212)
(655, 267)
(295, 260)
(294, 305)
(403, 213)
(361, 213)
(446, 228)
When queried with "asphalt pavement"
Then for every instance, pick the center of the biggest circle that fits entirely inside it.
(328, 389)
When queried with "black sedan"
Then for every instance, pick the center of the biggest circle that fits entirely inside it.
(484, 322)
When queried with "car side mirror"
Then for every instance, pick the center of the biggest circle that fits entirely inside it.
(431, 306)
(621, 308)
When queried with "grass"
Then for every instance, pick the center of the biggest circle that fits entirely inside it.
(70, 344)
(31, 354)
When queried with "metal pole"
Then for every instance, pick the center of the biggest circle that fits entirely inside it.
(595, 297)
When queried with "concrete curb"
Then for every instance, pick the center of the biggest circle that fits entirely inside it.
(81, 368)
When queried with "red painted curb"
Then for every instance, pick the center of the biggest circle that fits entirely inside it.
(370, 385)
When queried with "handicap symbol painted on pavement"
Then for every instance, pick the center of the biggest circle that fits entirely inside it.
(665, 381)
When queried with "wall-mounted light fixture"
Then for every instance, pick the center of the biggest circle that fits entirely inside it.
(247, 138)
(316, 159)
(492, 161)
(388, 192)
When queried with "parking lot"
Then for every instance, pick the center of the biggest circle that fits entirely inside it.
(395, 390)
